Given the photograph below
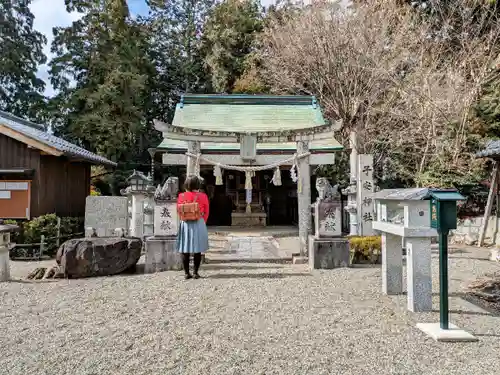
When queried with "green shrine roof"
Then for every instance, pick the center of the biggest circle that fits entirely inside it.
(248, 113)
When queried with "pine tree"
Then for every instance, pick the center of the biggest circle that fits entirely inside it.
(21, 52)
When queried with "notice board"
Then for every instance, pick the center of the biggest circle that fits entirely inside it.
(15, 199)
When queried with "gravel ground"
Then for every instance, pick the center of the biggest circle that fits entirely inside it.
(240, 319)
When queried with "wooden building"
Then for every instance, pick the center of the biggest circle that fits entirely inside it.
(214, 127)
(41, 173)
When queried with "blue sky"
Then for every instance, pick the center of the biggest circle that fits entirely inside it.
(54, 14)
(139, 6)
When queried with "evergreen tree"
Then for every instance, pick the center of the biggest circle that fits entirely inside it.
(176, 27)
(229, 39)
(101, 71)
(21, 52)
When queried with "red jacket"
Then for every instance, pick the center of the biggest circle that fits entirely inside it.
(202, 200)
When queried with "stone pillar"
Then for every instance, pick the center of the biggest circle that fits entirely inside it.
(352, 190)
(152, 152)
(304, 197)
(392, 264)
(366, 188)
(137, 227)
(194, 147)
(419, 279)
(148, 210)
(4, 250)
(161, 254)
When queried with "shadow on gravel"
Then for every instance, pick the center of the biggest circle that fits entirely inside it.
(464, 312)
(229, 266)
(256, 275)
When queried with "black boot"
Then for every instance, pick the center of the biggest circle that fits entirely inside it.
(197, 262)
(185, 265)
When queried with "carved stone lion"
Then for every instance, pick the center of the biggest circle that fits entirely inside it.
(326, 192)
(168, 191)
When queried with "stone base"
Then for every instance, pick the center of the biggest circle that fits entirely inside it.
(453, 334)
(495, 255)
(328, 253)
(297, 259)
(4, 264)
(252, 219)
(161, 255)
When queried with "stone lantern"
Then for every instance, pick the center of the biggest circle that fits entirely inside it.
(5, 231)
(140, 192)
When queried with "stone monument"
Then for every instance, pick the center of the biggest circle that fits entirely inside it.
(360, 205)
(160, 248)
(327, 248)
(104, 214)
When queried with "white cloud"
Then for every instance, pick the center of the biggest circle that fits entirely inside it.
(49, 14)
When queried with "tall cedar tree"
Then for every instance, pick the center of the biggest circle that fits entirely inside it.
(101, 71)
(229, 39)
(21, 52)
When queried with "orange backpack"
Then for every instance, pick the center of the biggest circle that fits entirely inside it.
(189, 211)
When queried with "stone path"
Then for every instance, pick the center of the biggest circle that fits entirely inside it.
(245, 249)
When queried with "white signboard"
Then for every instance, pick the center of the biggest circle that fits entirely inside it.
(17, 186)
(5, 194)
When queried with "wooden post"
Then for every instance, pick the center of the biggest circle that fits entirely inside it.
(42, 242)
(489, 205)
(58, 232)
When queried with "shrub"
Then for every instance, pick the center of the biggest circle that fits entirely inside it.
(365, 249)
(46, 225)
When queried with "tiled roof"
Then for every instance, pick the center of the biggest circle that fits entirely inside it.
(492, 150)
(248, 113)
(37, 133)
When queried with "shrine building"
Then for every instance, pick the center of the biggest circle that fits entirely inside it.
(256, 154)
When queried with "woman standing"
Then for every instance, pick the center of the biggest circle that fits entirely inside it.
(193, 208)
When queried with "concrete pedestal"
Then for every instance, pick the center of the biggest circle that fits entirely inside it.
(392, 264)
(328, 253)
(161, 255)
(419, 279)
(453, 334)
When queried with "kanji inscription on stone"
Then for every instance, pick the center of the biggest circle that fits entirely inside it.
(328, 219)
(165, 212)
(166, 219)
(366, 188)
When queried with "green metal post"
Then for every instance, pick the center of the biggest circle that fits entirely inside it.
(443, 280)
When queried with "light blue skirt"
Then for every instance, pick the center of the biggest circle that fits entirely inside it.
(192, 237)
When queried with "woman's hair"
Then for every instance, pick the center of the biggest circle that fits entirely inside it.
(192, 183)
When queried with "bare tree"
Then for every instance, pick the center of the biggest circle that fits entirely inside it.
(405, 84)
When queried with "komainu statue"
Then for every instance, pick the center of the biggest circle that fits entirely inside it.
(326, 192)
(168, 191)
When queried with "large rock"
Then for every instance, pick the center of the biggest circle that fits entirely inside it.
(101, 256)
